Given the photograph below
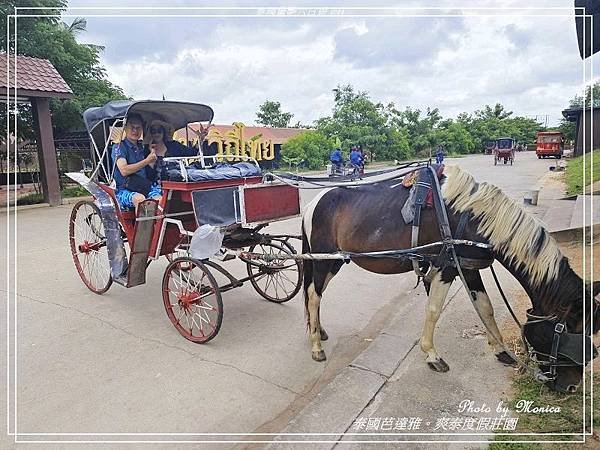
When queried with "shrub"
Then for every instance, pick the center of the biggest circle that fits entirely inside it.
(310, 146)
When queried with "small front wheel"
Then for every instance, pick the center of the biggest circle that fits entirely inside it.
(277, 280)
(192, 299)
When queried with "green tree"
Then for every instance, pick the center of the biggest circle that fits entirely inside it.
(493, 112)
(356, 120)
(78, 63)
(577, 100)
(270, 115)
(455, 138)
(310, 146)
(420, 129)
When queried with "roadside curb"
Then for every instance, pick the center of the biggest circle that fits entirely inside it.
(337, 406)
(576, 234)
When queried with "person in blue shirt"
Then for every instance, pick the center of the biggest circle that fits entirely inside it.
(439, 155)
(356, 157)
(336, 158)
(133, 162)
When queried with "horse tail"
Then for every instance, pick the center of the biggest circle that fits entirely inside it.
(307, 267)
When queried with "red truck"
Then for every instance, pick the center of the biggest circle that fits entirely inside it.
(549, 143)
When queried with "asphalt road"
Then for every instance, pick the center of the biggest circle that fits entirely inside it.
(115, 364)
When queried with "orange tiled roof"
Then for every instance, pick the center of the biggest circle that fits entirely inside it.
(33, 74)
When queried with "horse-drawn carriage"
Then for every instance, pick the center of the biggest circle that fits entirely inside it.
(207, 208)
(504, 150)
(347, 171)
(488, 147)
(204, 207)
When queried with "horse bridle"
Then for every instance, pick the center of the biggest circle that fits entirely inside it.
(567, 350)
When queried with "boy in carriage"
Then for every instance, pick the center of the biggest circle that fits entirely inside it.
(132, 174)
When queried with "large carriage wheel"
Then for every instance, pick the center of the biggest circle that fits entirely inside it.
(192, 299)
(88, 247)
(278, 280)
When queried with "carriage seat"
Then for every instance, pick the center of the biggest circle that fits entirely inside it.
(125, 213)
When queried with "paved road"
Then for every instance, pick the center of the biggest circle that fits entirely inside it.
(114, 364)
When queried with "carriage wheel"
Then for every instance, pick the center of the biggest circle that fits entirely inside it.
(279, 280)
(192, 299)
(88, 247)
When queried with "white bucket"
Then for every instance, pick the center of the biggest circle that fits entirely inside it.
(329, 169)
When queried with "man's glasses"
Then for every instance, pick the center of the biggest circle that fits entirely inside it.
(156, 130)
(133, 127)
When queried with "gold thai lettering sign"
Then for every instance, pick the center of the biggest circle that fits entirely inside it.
(234, 146)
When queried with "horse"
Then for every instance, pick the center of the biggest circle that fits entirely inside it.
(366, 218)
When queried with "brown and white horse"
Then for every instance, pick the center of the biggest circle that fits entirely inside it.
(367, 218)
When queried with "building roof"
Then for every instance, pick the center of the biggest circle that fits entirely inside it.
(35, 77)
(571, 114)
(276, 135)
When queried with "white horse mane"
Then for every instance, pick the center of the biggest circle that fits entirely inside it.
(511, 231)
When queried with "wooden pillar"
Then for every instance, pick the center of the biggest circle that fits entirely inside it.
(46, 150)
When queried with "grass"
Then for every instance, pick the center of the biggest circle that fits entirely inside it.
(75, 191)
(70, 191)
(574, 173)
(568, 420)
(30, 199)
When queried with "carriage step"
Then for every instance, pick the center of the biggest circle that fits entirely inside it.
(138, 260)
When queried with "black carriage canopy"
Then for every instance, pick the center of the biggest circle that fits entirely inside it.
(505, 143)
(178, 114)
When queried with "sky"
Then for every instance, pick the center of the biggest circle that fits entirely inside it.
(527, 60)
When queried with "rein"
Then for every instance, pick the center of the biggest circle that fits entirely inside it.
(325, 182)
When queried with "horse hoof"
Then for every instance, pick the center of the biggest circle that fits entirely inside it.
(505, 358)
(319, 356)
(439, 365)
(324, 335)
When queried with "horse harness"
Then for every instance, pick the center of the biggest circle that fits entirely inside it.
(427, 186)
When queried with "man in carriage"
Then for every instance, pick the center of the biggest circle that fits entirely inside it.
(133, 174)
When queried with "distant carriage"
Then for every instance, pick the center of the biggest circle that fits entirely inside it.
(504, 150)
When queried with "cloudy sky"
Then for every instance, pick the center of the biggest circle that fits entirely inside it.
(527, 60)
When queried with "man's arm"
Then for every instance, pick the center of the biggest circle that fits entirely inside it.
(128, 169)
